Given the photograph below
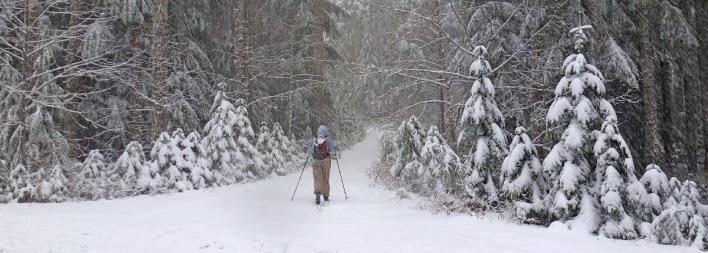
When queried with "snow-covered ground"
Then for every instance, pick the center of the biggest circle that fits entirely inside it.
(259, 217)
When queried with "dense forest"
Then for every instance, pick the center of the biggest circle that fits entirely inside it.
(105, 73)
(91, 77)
(413, 57)
(114, 98)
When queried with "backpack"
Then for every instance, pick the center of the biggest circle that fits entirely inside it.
(321, 151)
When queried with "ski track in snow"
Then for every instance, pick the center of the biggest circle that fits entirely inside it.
(259, 217)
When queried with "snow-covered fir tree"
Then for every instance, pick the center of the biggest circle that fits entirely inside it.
(482, 140)
(675, 185)
(285, 145)
(92, 176)
(45, 144)
(52, 185)
(683, 223)
(409, 143)
(614, 171)
(521, 173)
(164, 162)
(220, 141)
(194, 162)
(568, 168)
(266, 145)
(250, 160)
(653, 195)
(131, 174)
(44, 147)
(441, 174)
(20, 186)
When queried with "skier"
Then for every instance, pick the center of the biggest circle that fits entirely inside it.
(321, 148)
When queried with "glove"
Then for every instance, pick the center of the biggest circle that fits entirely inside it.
(335, 156)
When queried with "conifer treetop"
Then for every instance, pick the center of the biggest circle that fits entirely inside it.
(581, 40)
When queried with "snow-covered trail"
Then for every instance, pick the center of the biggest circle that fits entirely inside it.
(259, 217)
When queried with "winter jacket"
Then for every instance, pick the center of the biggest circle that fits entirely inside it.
(331, 145)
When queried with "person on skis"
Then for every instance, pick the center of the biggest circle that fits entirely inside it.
(322, 149)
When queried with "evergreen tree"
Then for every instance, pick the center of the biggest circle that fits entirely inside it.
(193, 161)
(521, 171)
(657, 187)
(21, 187)
(132, 174)
(675, 186)
(442, 168)
(682, 224)
(250, 160)
(52, 185)
(615, 170)
(409, 144)
(45, 145)
(220, 141)
(164, 162)
(577, 107)
(669, 227)
(266, 145)
(285, 145)
(481, 138)
(92, 177)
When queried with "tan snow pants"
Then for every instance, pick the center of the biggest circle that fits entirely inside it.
(320, 171)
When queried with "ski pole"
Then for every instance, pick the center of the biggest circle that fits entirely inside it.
(342, 179)
(298, 180)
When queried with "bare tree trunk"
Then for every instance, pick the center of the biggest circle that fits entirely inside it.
(321, 102)
(19, 156)
(653, 144)
(246, 26)
(691, 104)
(692, 98)
(69, 120)
(702, 29)
(157, 65)
(444, 107)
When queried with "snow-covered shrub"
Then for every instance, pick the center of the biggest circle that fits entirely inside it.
(522, 181)
(675, 197)
(482, 139)
(441, 175)
(131, 174)
(250, 161)
(682, 223)
(163, 160)
(92, 175)
(220, 141)
(286, 147)
(614, 171)
(266, 145)
(52, 185)
(194, 162)
(45, 144)
(521, 170)
(617, 223)
(20, 186)
(657, 188)
(409, 143)
(669, 226)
